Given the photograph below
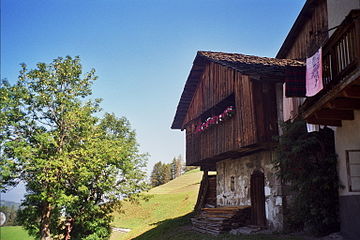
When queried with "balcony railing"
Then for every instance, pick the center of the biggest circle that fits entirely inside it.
(341, 53)
(216, 140)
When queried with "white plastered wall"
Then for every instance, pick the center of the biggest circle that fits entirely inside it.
(338, 10)
(347, 137)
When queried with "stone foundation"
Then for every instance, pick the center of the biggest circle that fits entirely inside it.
(233, 185)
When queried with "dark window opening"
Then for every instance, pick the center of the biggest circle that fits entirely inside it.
(232, 184)
(219, 108)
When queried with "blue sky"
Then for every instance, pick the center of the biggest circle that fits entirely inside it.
(142, 50)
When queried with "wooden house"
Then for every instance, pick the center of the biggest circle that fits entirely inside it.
(335, 26)
(229, 109)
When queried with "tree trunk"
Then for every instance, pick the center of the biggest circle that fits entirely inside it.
(45, 222)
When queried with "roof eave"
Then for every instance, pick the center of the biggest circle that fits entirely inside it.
(188, 91)
(295, 27)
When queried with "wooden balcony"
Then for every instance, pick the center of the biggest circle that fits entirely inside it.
(206, 148)
(223, 141)
(341, 77)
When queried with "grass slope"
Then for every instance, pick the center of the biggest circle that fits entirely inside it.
(14, 233)
(169, 201)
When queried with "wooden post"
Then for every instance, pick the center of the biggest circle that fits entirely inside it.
(201, 200)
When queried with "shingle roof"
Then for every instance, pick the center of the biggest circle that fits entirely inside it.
(257, 67)
(260, 68)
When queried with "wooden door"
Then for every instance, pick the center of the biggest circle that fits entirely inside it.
(257, 195)
(211, 193)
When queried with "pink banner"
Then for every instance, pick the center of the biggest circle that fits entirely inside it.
(314, 81)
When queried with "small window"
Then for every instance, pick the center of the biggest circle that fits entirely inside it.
(353, 169)
(232, 183)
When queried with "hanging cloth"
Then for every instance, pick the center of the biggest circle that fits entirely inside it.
(295, 81)
(314, 82)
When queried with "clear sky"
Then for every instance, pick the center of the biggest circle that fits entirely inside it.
(142, 50)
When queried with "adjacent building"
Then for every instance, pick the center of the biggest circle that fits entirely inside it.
(334, 26)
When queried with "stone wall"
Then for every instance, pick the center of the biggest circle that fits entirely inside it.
(235, 174)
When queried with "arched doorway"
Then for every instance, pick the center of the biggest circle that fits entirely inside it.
(257, 194)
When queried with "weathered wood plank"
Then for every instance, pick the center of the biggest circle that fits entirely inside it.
(217, 84)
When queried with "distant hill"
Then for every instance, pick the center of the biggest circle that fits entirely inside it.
(9, 204)
(169, 201)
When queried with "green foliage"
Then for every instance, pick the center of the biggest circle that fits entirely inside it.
(307, 163)
(10, 213)
(160, 174)
(75, 165)
(176, 167)
(163, 173)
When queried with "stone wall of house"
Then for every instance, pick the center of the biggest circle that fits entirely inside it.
(233, 185)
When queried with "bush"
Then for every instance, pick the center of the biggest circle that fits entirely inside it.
(307, 163)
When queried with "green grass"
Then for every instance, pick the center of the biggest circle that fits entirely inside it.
(14, 233)
(189, 182)
(172, 200)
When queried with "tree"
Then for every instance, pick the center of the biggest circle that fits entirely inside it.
(115, 176)
(166, 172)
(177, 166)
(74, 163)
(156, 175)
(160, 174)
(10, 213)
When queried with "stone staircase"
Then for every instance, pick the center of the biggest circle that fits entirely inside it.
(219, 220)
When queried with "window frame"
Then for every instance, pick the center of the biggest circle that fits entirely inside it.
(347, 152)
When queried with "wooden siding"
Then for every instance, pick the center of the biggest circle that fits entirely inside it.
(308, 33)
(254, 120)
(341, 77)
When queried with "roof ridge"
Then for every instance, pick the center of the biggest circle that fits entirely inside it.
(246, 58)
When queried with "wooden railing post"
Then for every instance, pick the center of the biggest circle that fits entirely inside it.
(357, 41)
(341, 53)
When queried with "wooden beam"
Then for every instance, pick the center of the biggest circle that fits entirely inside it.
(310, 108)
(325, 122)
(345, 104)
(352, 92)
(334, 114)
(357, 82)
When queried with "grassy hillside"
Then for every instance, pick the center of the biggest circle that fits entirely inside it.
(13, 233)
(169, 201)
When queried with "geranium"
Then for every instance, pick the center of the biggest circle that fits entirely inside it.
(211, 121)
